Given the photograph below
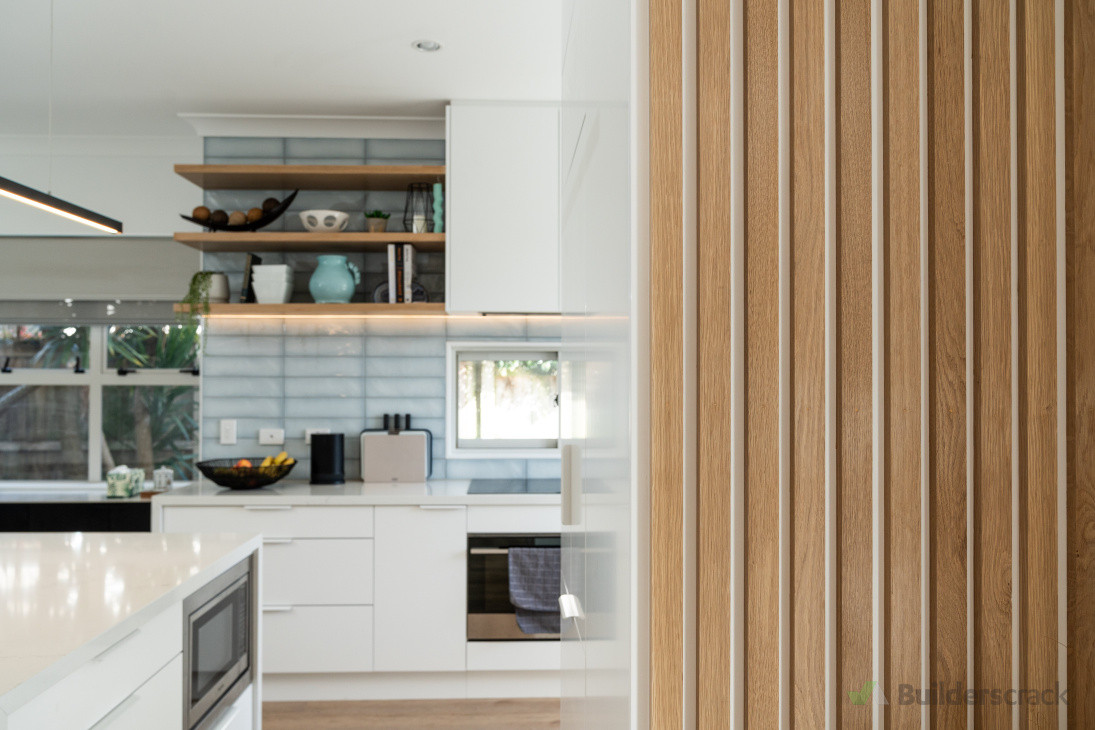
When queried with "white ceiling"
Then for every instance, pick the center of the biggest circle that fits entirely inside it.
(129, 67)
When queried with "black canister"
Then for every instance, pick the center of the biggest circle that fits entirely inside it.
(328, 458)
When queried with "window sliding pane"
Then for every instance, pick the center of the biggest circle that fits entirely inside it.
(502, 398)
(43, 432)
(168, 346)
(151, 426)
(43, 347)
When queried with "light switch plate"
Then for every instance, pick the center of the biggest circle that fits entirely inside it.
(272, 436)
(228, 431)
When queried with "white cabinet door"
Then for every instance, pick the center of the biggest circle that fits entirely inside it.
(308, 639)
(421, 589)
(502, 234)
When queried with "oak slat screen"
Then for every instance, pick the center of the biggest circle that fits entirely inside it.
(911, 335)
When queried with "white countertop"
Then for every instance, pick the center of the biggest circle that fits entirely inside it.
(446, 491)
(65, 597)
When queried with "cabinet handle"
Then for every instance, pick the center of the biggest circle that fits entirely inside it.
(277, 541)
(228, 718)
(102, 655)
(118, 710)
(488, 551)
(277, 609)
(440, 506)
(267, 507)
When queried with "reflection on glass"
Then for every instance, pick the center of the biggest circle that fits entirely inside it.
(150, 426)
(43, 432)
(35, 346)
(507, 400)
(168, 346)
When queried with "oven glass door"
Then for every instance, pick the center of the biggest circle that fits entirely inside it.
(491, 616)
(219, 638)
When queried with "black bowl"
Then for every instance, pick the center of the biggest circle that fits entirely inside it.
(225, 472)
(265, 220)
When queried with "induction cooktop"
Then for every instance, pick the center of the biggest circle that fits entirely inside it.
(513, 486)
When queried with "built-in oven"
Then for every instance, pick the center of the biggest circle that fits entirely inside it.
(492, 615)
(219, 644)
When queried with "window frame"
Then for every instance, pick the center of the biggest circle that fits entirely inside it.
(453, 450)
(95, 378)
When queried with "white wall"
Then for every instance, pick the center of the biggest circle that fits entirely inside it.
(130, 179)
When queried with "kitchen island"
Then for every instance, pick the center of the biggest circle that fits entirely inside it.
(92, 624)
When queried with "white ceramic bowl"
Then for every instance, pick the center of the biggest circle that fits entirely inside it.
(324, 221)
(280, 270)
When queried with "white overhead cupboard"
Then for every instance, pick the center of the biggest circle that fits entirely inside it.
(502, 216)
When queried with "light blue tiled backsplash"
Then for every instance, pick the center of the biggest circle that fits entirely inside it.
(345, 375)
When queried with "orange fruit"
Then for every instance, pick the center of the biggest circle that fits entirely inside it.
(243, 462)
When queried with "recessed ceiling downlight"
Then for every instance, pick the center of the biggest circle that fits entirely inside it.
(426, 46)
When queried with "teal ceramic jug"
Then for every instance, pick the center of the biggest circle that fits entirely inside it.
(332, 282)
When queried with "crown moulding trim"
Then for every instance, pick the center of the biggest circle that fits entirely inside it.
(294, 125)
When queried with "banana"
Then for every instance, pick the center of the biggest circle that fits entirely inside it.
(268, 461)
(280, 458)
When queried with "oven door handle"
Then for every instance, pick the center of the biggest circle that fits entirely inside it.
(276, 609)
(488, 551)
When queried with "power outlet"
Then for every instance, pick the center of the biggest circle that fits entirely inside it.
(309, 431)
(272, 436)
(228, 431)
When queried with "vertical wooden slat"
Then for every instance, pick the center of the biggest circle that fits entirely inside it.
(946, 355)
(762, 365)
(1037, 354)
(807, 387)
(1080, 212)
(853, 354)
(992, 447)
(715, 379)
(902, 346)
(666, 368)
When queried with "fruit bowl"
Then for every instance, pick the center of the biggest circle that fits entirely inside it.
(225, 473)
(265, 220)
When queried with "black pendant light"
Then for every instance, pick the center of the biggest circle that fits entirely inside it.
(63, 208)
(46, 201)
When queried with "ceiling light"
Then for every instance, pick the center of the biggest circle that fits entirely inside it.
(63, 208)
(426, 46)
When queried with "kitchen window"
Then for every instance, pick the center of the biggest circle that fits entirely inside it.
(503, 400)
(77, 400)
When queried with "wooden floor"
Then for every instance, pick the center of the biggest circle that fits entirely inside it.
(532, 714)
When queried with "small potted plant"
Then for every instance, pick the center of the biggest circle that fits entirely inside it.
(377, 221)
(205, 287)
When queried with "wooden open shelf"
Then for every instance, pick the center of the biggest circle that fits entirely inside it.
(304, 309)
(310, 177)
(279, 241)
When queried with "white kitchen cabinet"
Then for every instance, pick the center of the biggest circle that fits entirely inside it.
(157, 703)
(97, 690)
(502, 215)
(317, 639)
(317, 572)
(421, 588)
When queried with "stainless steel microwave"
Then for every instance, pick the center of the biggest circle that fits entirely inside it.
(218, 645)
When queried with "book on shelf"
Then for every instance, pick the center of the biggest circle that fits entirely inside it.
(247, 291)
(408, 272)
(400, 273)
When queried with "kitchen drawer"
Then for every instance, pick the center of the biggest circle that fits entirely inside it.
(272, 520)
(301, 639)
(239, 715)
(545, 519)
(89, 693)
(158, 703)
(317, 572)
